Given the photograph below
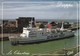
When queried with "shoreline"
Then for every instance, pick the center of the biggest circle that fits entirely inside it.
(4, 37)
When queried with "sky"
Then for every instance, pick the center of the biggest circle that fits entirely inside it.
(39, 9)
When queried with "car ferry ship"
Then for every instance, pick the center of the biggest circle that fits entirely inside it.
(34, 35)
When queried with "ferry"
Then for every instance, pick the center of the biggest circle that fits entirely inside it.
(35, 35)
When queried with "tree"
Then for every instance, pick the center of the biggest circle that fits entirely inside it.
(53, 23)
(41, 25)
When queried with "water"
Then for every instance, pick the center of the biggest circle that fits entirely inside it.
(40, 48)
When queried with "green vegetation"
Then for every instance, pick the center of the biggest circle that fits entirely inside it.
(42, 26)
(62, 52)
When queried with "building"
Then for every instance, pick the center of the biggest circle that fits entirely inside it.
(9, 23)
(9, 26)
(25, 21)
(66, 25)
(38, 23)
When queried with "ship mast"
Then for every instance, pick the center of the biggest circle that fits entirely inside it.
(31, 24)
(62, 27)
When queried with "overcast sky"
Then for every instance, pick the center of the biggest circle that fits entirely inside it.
(39, 9)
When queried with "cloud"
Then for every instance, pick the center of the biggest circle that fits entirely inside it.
(34, 6)
(40, 10)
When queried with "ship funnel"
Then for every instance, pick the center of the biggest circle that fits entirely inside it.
(62, 27)
(49, 26)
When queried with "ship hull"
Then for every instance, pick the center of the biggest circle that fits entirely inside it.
(43, 40)
(19, 40)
